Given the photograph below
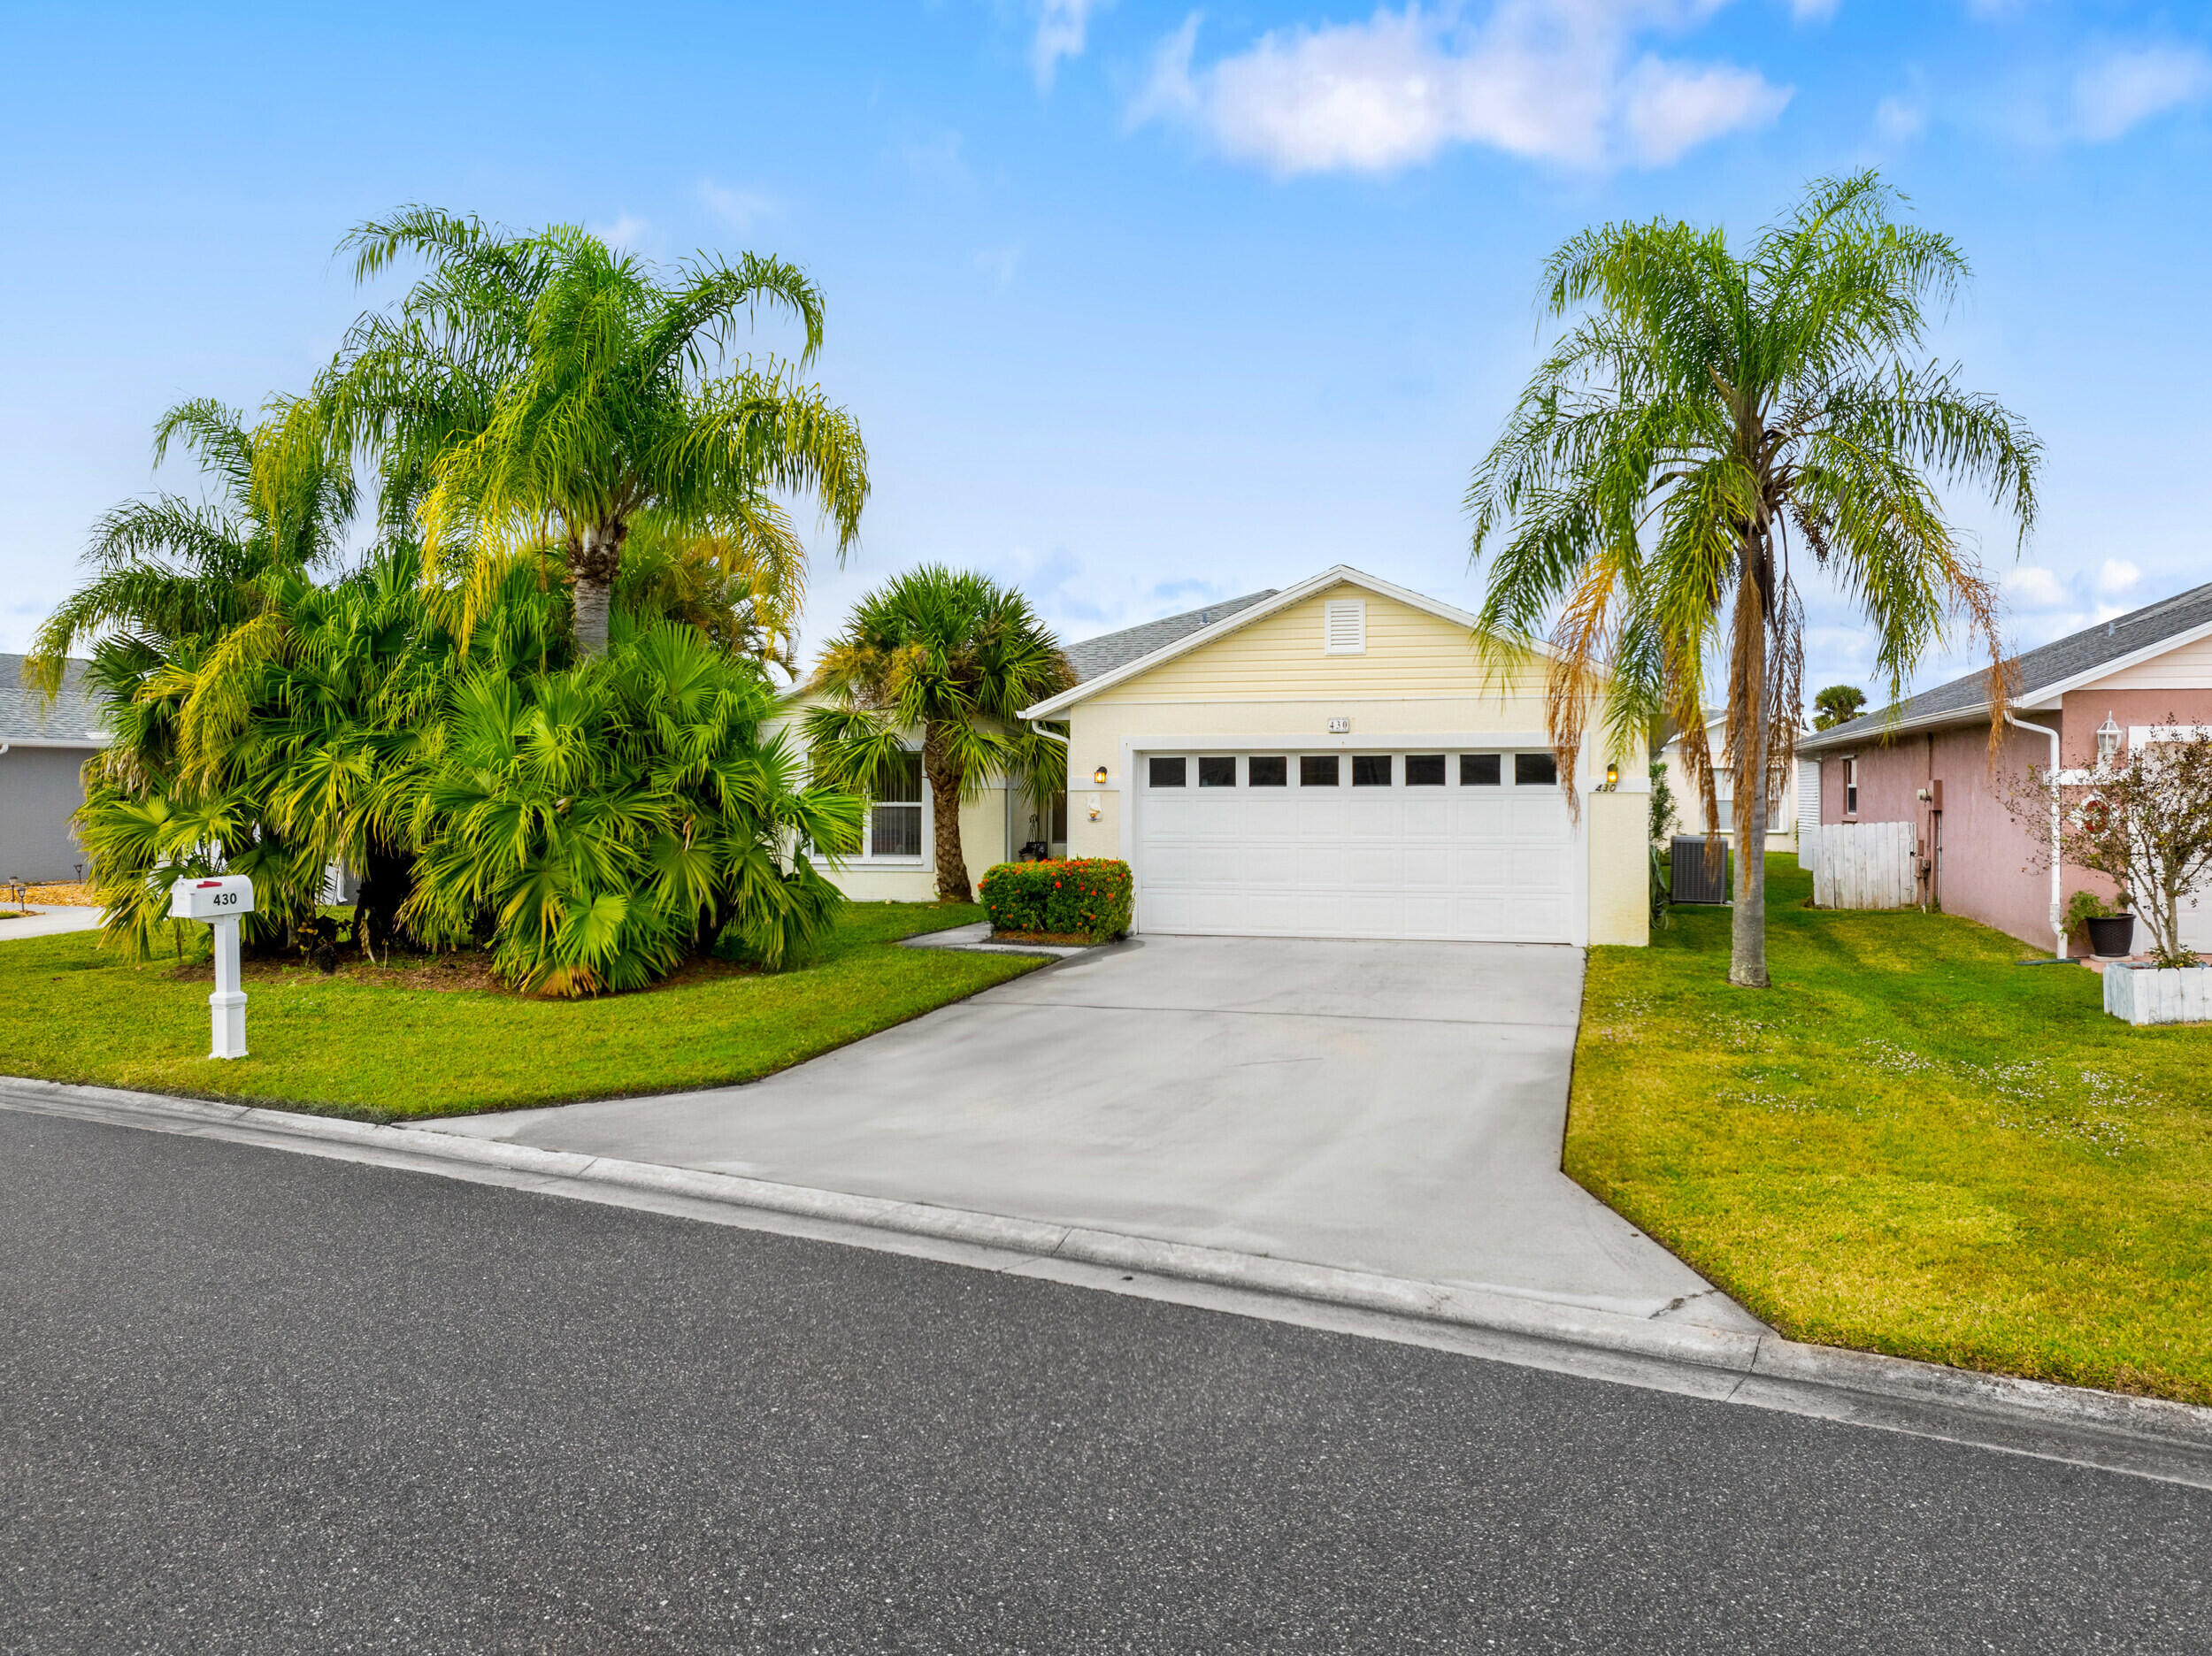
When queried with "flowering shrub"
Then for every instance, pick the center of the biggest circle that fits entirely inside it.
(1088, 897)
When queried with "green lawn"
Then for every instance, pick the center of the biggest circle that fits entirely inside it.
(1912, 1144)
(373, 1044)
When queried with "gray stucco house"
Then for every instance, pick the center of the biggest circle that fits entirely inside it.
(43, 745)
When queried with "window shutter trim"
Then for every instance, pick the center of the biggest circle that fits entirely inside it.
(1344, 626)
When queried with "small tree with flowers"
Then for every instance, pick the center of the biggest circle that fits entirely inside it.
(2142, 818)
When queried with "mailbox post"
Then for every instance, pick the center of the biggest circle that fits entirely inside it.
(221, 902)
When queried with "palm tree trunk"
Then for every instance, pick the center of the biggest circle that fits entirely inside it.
(1747, 937)
(597, 561)
(944, 808)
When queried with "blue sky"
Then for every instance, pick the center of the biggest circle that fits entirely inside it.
(1137, 305)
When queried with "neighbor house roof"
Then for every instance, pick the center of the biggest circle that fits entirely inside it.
(1110, 650)
(29, 720)
(2042, 676)
(1227, 618)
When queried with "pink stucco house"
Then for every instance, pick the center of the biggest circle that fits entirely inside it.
(1926, 762)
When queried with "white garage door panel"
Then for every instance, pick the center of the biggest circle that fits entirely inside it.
(1475, 862)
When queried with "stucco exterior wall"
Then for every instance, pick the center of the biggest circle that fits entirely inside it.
(40, 790)
(2085, 709)
(1620, 867)
(1985, 856)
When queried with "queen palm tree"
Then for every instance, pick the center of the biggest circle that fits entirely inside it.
(166, 568)
(959, 656)
(542, 387)
(1708, 414)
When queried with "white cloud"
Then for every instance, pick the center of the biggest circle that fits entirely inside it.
(2117, 576)
(2123, 88)
(625, 234)
(1899, 120)
(1672, 108)
(1062, 26)
(2032, 587)
(740, 208)
(1548, 80)
(1812, 10)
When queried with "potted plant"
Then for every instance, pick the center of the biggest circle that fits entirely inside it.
(2142, 818)
(2111, 931)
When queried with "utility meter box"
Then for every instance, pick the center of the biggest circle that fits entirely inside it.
(219, 897)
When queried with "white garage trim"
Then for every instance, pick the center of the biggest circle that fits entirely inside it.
(1136, 749)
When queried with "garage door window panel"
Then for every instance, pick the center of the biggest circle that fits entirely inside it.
(1167, 772)
(1372, 770)
(1535, 770)
(1217, 771)
(1267, 770)
(1425, 770)
(1318, 771)
(1480, 770)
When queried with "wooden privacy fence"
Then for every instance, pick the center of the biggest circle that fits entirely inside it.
(1864, 865)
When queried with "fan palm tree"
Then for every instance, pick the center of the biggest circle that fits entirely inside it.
(959, 656)
(1707, 411)
(602, 822)
(542, 387)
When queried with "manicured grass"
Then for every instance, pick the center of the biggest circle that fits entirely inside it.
(1911, 1144)
(368, 1044)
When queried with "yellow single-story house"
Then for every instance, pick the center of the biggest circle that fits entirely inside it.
(1331, 760)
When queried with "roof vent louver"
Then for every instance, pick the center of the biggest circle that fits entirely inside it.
(1344, 626)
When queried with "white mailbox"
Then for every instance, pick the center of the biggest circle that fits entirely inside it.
(220, 901)
(222, 897)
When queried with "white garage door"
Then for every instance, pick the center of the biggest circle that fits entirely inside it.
(1460, 845)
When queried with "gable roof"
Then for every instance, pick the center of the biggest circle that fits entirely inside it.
(27, 718)
(1257, 608)
(1110, 650)
(2044, 674)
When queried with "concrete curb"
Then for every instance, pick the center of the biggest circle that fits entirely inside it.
(2149, 1437)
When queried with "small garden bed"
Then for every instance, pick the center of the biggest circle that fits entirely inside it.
(366, 1041)
(1913, 1143)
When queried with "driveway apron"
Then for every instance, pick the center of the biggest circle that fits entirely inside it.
(1386, 1107)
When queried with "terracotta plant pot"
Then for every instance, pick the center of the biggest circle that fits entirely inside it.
(2111, 936)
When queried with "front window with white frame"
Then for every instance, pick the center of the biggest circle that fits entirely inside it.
(894, 818)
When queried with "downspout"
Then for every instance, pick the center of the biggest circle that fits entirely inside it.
(2058, 907)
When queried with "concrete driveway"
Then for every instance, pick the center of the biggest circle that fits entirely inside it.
(1393, 1107)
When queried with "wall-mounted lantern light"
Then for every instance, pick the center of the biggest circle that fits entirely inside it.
(1612, 776)
(2108, 740)
(1099, 776)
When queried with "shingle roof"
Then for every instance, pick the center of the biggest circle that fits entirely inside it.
(2054, 663)
(26, 717)
(1104, 654)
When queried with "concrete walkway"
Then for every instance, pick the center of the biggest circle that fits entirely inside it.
(47, 920)
(1393, 1107)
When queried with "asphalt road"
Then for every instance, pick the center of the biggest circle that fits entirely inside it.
(253, 1401)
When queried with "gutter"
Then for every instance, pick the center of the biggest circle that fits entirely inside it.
(2058, 923)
